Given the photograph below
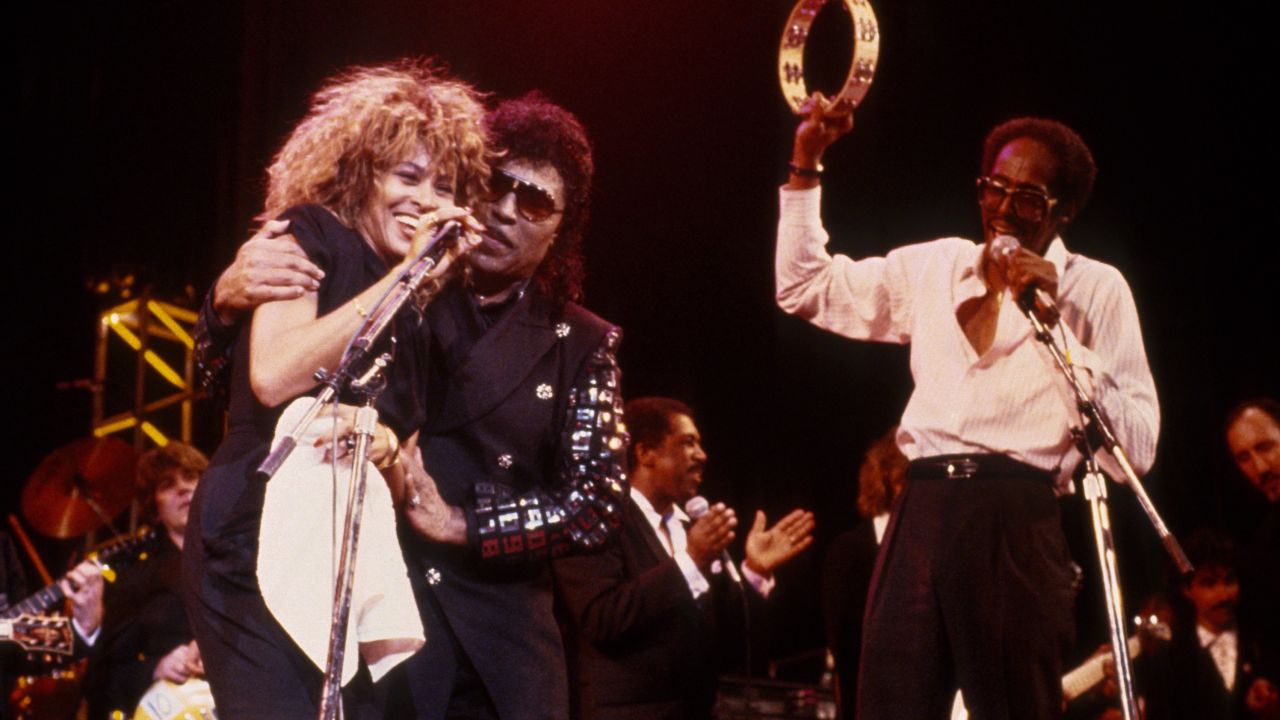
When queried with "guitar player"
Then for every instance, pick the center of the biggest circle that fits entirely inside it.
(145, 635)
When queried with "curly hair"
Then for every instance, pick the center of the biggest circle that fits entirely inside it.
(157, 466)
(535, 129)
(1076, 169)
(366, 120)
(880, 478)
(650, 420)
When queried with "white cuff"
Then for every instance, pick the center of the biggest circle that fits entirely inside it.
(761, 583)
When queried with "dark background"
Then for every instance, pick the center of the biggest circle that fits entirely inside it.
(143, 130)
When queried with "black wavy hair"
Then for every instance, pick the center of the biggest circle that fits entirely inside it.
(650, 420)
(535, 129)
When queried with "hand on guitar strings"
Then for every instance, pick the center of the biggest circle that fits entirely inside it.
(83, 587)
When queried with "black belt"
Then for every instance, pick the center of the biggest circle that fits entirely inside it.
(953, 467)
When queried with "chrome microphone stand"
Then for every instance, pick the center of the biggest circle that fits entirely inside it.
(371, 384)
(1095, 491)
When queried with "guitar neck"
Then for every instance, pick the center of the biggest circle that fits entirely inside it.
(1091, 672)
(38, 603)
(51, 595)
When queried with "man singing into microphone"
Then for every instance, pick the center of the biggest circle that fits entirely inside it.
(653, 614)
(972, 586)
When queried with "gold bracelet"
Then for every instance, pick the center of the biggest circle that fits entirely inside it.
(394, 442)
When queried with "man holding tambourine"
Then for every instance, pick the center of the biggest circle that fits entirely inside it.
(972, 587)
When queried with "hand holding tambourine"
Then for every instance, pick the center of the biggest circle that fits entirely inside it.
(825, 119)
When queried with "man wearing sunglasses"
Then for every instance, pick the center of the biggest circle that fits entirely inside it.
(523, 451)
(972, 586)
(522, 455)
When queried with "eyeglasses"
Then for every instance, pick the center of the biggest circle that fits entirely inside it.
(534, 202)
(1030, 204)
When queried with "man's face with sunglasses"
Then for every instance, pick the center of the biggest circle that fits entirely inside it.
(1015, 196)
(521, 213)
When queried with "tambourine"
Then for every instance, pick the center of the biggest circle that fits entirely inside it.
(862, 66)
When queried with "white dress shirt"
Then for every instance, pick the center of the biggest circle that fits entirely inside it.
(678, 549)
(1224, 648)
(1011, 399)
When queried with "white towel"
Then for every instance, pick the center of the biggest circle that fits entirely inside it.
(299, 545)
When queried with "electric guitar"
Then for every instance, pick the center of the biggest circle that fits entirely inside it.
(192, 700)
(1093, 671)
(108, 559)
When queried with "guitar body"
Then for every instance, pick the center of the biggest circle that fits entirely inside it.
(192, 700)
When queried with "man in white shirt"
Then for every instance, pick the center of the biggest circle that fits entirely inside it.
(972, 586)
(650, 612)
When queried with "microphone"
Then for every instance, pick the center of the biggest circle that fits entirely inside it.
(696, 508)
(445, 237)
(1001, 249)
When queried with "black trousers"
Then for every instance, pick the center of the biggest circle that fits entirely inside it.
(972, 589)
(255, 670)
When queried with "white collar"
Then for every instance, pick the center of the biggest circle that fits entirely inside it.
(1208, 637)
(655, 518)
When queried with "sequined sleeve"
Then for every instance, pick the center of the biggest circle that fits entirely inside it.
(214, 343)
(587, 497)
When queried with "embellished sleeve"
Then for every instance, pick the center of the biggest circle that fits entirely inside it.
(585, 500)
(214, 344)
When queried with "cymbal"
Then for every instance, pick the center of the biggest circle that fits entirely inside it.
(60, 495)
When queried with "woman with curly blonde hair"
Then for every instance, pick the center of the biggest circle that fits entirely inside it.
(362, 180)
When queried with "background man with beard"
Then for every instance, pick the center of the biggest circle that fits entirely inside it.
(652, 614)
(972, 585)
(1253, 438)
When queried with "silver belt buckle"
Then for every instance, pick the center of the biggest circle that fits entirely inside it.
(960, 469)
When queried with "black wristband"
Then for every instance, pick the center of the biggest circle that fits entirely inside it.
(804, 172)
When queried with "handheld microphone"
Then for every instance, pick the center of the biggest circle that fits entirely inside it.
(445, 237)
(1001, 249)
(696, 508)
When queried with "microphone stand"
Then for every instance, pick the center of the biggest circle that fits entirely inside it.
(1095, 491)
(371, 385)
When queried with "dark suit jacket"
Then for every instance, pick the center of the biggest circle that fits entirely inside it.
(1182, 682)
(645, 647)
(518, 434)
(144, 620)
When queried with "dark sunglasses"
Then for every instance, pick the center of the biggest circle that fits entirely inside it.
(534, 202)
(1030, 204)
